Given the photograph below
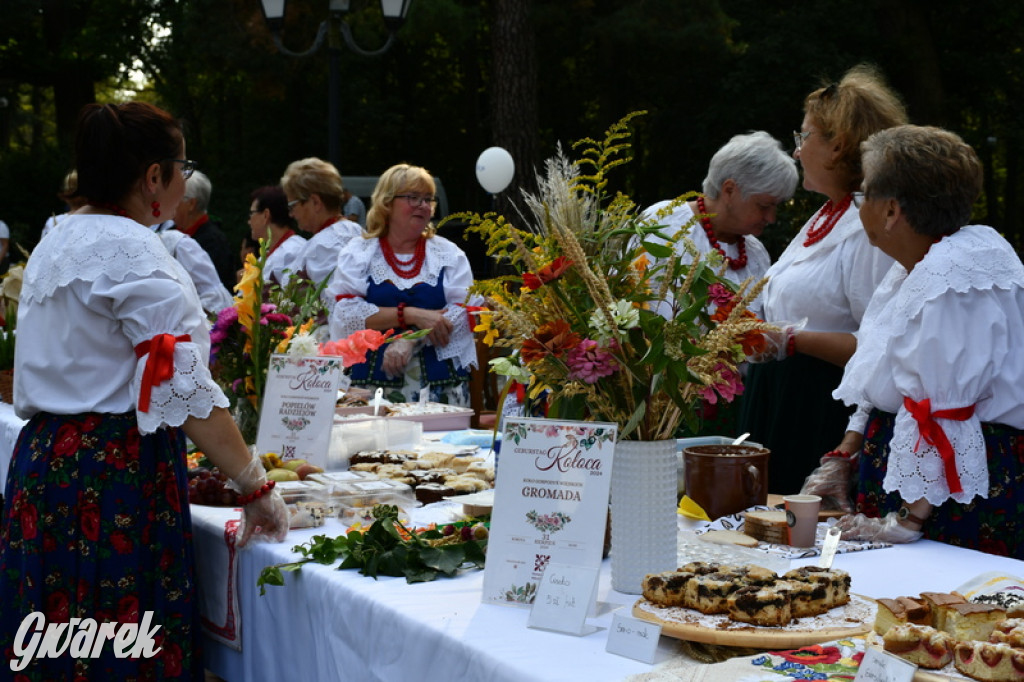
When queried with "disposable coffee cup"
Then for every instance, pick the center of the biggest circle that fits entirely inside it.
(802, 518)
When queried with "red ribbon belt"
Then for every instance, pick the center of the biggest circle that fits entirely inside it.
(159, 366)
(933, 434)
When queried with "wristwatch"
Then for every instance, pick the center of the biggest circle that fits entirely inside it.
(904, 514)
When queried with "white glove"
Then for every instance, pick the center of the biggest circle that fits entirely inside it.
(885, 529)
(265, 518)
(831, 481)
(777, 342)
(396, 357)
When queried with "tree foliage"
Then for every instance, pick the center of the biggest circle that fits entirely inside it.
(449, 87)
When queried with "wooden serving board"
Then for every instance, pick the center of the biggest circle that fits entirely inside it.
(823, 515)
(732, 633)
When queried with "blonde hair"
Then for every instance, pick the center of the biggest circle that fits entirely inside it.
(310, 176)
(850, 111)
(398, 179)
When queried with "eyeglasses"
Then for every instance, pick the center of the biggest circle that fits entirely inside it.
(187, 167)
(799, 137)
(295, 202)
(416, 200)
(254, 211)
(858, 199)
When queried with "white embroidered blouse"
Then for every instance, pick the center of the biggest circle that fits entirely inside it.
(362, 260)
(93, 291)
(952, 331)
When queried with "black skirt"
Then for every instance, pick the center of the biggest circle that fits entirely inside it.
(788, 407)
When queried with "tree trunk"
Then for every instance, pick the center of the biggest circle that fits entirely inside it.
(514, 95)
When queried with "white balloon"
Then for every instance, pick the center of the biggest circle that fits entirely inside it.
(494, 169)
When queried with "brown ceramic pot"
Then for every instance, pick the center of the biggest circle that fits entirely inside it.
(726, 479)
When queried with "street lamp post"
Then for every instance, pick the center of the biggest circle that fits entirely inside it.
(335, 30)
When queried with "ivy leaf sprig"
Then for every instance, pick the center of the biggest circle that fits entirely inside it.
(389, 548)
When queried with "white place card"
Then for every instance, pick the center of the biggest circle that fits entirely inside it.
(881, 666)
(298, 407)
(633, 638)
(550, 504)
(564, 596)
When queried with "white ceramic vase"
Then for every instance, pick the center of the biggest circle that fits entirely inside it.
(644, 488)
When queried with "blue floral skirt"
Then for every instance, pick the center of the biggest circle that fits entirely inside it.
(96, 524)
(994, 525)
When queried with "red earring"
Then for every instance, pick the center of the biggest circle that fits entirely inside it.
(156, 209)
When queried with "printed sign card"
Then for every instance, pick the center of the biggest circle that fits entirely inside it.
(550, 504)
(633, 638)
(298, 407)
(564, 596)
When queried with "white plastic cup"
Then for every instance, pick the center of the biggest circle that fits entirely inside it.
(802, 519)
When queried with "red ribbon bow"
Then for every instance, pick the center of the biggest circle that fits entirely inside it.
(933, 434)
(159, 366)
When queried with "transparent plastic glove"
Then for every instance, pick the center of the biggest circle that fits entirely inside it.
(265, 518)
(831, 481)
(885, 529)
(396, 357)
(777, 342)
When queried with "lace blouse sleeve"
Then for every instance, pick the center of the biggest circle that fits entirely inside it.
(931, 363)
(155, 305)
(348, 289)
(458, 278)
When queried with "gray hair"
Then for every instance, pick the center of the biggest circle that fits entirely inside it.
(198, 187)
(757, 164)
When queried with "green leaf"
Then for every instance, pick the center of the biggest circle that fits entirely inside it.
(657, 250)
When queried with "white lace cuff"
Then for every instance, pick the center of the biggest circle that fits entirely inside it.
(922, 474)
(349, 316)
(461, 345)
(191, 392)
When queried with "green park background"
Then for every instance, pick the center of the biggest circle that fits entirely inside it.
(527, 75)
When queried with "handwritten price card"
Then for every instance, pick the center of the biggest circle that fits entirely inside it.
(563, 599)
(881, 666)
(298, 407)
(633, 638)
(550, 504)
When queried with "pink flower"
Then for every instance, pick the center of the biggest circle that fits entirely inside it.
(353, 349)
(730, 386)
(589, 362)
(719, 294)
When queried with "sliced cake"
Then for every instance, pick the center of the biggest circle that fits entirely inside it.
(920, 644)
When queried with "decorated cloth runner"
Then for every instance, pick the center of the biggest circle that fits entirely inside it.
(217, 575)
(735, 522)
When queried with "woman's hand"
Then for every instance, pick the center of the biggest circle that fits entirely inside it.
(396, 357)
(434, 320)
(265, 519)
(886, 529)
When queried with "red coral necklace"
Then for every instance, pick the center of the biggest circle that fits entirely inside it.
(831, 213)
(109, 206)
(741, 245)
(406, 269)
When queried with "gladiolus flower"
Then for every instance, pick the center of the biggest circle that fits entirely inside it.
(719, 294)
(353, 348)
(546, 274)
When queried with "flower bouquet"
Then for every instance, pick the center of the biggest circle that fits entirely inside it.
(612, 325)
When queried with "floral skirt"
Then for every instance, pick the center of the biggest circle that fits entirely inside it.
(97, 525)
(994, 525)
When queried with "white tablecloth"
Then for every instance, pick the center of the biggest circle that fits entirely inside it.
(327, 624)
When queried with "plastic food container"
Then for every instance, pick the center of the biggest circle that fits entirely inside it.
(433, 416)
(350, 436)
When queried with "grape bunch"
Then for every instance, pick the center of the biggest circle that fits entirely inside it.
(207, 486)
